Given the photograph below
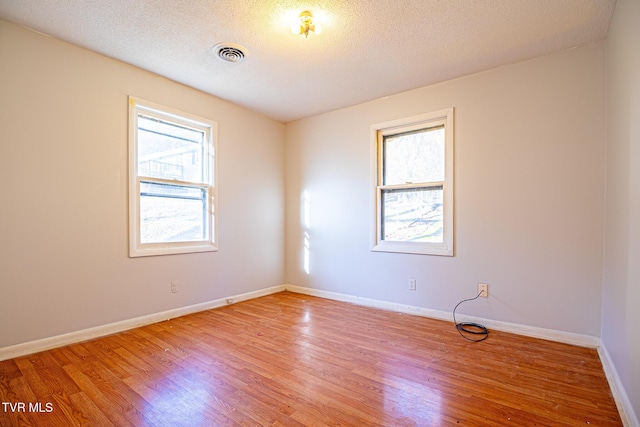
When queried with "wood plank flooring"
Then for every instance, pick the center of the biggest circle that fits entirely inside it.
(294, 360)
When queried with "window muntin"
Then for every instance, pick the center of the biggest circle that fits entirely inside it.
(172, 193)
(413, 176)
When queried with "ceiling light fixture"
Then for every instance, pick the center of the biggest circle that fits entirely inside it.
(306, 25)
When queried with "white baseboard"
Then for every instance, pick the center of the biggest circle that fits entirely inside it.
(98, 331)
(112, 328)
(530, 331)
(629, 418)
(627, 414)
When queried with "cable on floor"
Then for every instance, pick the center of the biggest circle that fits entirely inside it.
(474, 329)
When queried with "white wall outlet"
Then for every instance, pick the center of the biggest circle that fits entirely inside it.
(483, 290)
(412, 284)
(174, 286)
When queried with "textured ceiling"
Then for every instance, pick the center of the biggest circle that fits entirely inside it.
(368, 48)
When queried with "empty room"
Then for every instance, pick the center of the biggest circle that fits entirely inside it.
(339, 213)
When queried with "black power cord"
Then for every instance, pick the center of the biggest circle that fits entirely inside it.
(470, 327)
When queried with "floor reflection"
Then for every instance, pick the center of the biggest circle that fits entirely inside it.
(415, 402)
(181, 398)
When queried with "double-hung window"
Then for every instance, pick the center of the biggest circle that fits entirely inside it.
(413, 176)
(172, 191)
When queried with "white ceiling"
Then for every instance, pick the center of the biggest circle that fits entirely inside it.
(368, 48)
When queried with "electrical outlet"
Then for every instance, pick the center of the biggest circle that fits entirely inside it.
(412, 284)
(174, 286)
(483, 290)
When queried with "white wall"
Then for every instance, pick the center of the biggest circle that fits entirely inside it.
(621, 297)
(63, 215)
(529, 192)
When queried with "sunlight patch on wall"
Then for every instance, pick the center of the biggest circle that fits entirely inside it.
(306, 226)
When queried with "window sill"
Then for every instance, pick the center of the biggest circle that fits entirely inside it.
(153, 250)
(438, 249)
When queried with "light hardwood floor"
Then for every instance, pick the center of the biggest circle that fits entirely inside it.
(294, 360)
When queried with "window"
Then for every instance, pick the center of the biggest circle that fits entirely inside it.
(413, 179)
(172, 192)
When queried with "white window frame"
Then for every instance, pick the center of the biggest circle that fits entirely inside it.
(210, 128)
(378, 132)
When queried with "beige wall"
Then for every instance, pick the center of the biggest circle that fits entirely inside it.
(529, 196)
(529, 189)
(621, 296)
(63, 216)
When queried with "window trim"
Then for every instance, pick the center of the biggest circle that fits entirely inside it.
(378, 131)
(136, 247)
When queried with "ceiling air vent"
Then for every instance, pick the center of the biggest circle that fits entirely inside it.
(230, 52)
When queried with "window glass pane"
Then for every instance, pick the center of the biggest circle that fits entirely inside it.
(414, 157)
(172, 213)
(412, 215)
(170, 151)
